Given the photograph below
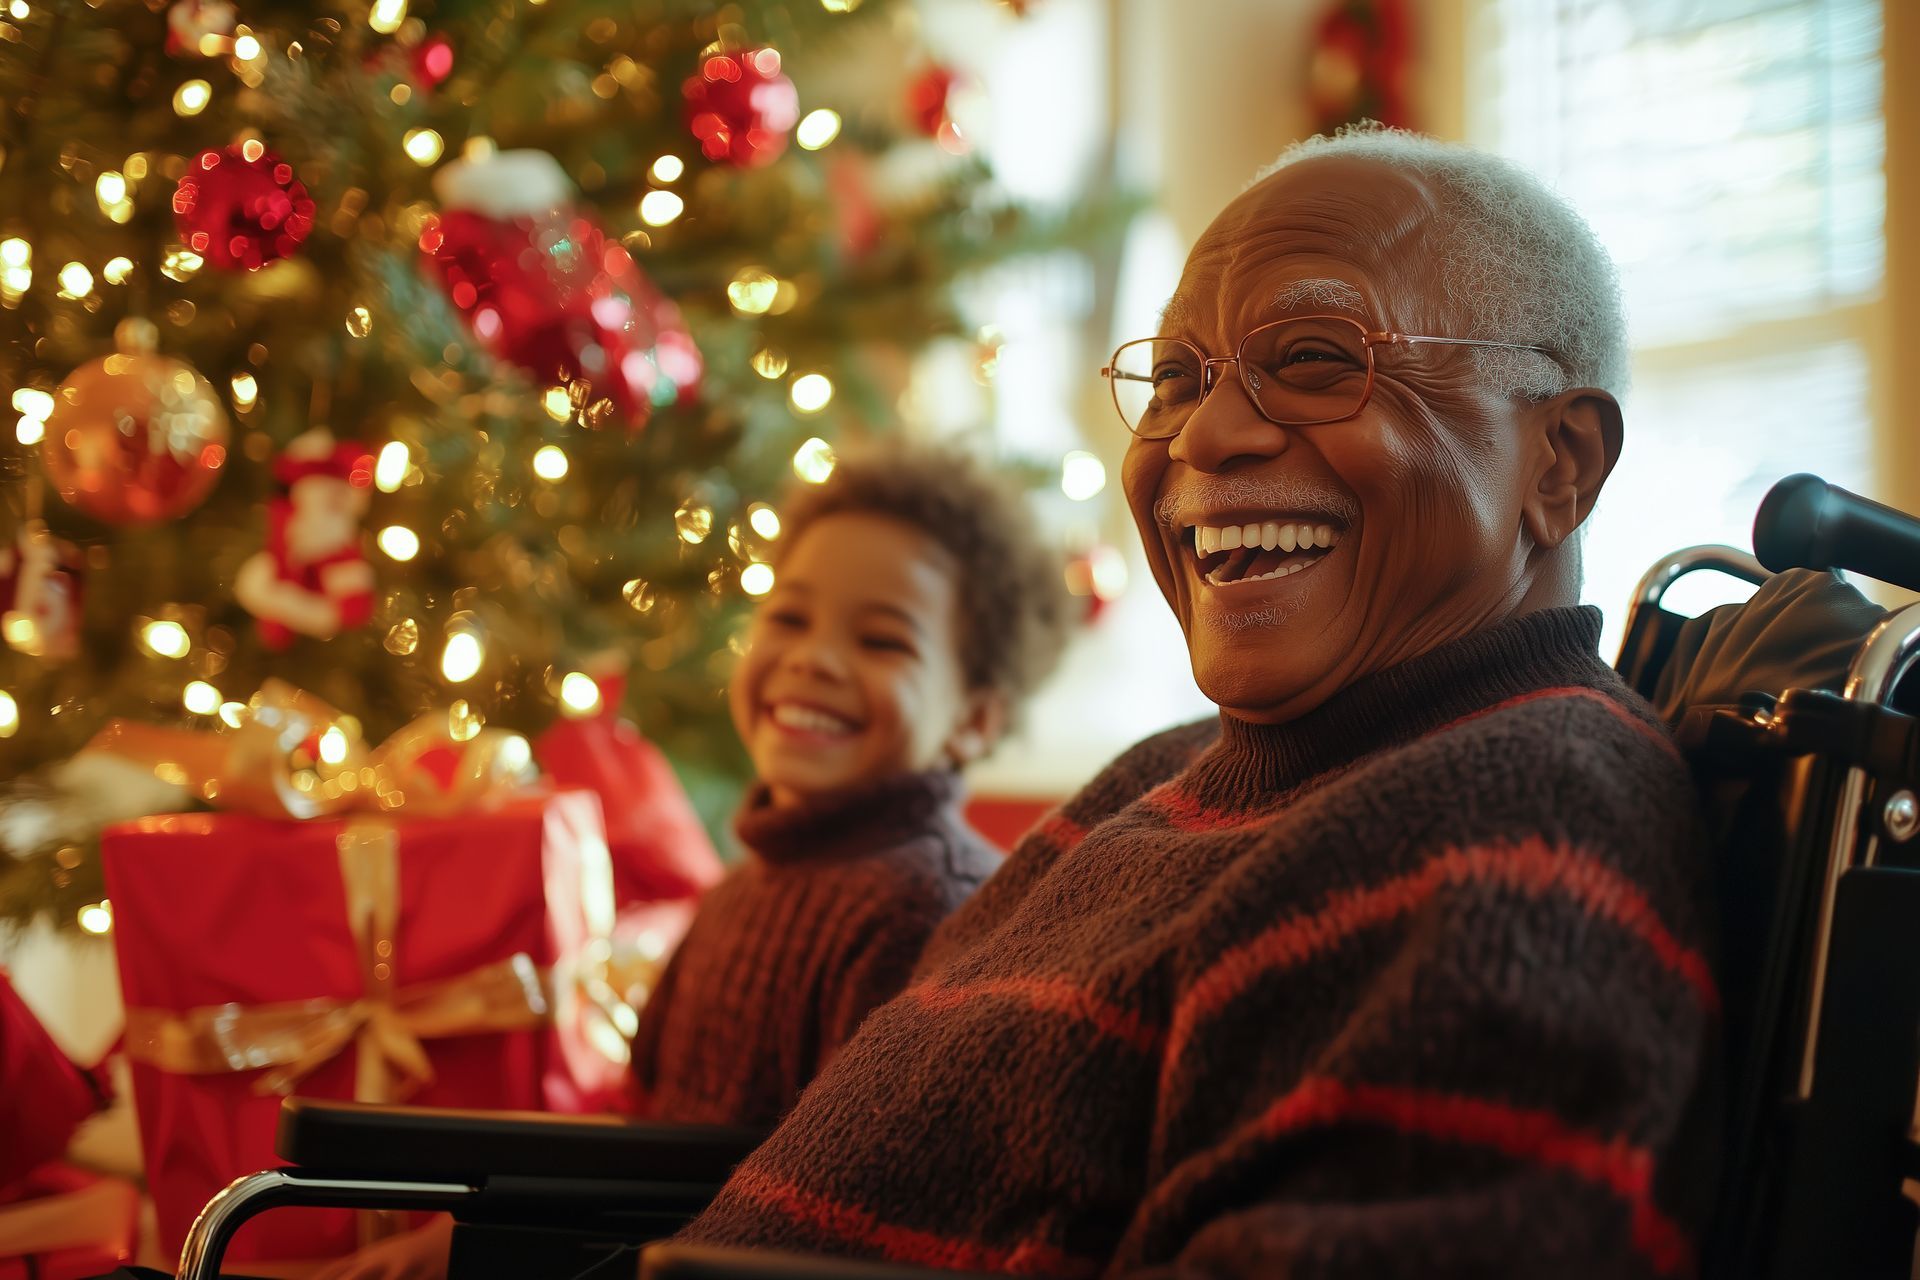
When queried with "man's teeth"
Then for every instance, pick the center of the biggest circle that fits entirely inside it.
(1217, 580)
(793, 716)
(1267, 535)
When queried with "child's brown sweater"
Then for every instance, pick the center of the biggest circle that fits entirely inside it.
(822, 922)
(1413, 986)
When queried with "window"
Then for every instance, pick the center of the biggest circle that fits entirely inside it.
(1729, 155)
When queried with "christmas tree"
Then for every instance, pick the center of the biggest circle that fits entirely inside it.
(415, 353)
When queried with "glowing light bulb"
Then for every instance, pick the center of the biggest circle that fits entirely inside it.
(399, 542)
(33, 403)
(29, 430)
(756, 579)
(817, 129)
(233, 714)
(118, 270)
(694, 522)
(387, 15)
(1082, 475)
(423, 146)
(333, 745)
(200, 698)
(752, 292)
(390, 470)
(668, 169)
(180, 263)
(658, 208)
(359, 321)
(97, 917)
(110, 188)
(22, 632)
(20, 10)
(811, 392)
(463, 721)
(579, 694)
(247, 48)
(550, 462)
(15, 252)
(165, 639)
(245, 390)
(765, 520)
(460, 660)
(515, 754)
(770, 363)
(9, 715)
(75, 280)
(191, 98)
(814, 461)
(558, 403)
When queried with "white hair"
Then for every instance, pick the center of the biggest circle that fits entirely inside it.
(1519, 264)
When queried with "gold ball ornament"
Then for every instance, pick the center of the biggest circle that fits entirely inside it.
(135, 437)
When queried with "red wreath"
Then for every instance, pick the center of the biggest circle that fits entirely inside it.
(1362, 57)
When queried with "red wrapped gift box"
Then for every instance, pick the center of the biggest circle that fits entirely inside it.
(350, 958)
(62, 1223)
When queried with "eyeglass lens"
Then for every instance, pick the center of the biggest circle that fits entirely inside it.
(1296, 372)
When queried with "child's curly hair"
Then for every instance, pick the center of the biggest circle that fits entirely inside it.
(1014, 607)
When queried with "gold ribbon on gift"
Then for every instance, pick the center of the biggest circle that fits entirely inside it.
(293, 756)
(386, 1023)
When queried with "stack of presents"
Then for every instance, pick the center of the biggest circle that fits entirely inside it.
(418, 924)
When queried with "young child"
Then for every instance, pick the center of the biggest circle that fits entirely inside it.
(912, 608)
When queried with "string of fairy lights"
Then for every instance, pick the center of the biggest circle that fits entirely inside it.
(753, 292)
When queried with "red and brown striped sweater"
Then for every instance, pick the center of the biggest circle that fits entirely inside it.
(821, 922)
(1411, 986)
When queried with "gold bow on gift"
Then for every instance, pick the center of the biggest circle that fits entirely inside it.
(293, 756)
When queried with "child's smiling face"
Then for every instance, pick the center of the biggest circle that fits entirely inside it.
(852, 671)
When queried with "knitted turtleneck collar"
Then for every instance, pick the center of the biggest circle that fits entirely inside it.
(1535, 651)
(849, 824)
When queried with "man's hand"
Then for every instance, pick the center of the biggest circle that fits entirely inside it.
(420, 1254)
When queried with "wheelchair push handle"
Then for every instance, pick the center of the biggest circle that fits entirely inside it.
(1806, 523)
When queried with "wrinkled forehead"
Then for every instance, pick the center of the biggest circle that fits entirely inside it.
(1336, 234)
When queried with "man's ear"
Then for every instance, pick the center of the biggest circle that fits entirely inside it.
(983, 719)
(1577, 434)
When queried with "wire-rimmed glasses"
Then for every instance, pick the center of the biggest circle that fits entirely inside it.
(1298, 372)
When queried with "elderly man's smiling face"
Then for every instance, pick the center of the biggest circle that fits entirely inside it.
(1434, 512)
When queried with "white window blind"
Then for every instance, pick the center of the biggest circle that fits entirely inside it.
(1729, 155)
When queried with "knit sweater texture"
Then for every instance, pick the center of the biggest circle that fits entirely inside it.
(821, 922)
(1414, 985)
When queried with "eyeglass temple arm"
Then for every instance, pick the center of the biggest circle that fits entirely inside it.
(1391, 338)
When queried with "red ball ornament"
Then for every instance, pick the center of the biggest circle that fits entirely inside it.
(135, 437)
(553, 295)
(431, 61)
(927, 95)
(741, 107)
(241, 207)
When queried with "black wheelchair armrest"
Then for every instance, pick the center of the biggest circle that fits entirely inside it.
(702, 1262)
(441, 1144)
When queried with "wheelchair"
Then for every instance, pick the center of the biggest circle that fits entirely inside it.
(1811, 791)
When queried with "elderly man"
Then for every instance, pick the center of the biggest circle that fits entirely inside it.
(1396, 968)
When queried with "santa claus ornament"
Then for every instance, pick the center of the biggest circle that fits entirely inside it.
(40, 594)
(543, 287)
(312, 579)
